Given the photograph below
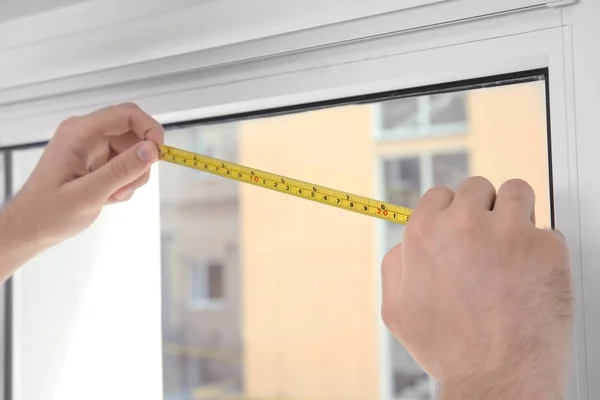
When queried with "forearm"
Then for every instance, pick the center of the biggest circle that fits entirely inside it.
(18, 244)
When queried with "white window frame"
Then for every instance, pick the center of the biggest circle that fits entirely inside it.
(185, 27)
(425, 127)
(5, 314)
(560, 39)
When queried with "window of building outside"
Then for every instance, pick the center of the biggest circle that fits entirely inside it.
(206, 281)
(299, 279)
(428, 115)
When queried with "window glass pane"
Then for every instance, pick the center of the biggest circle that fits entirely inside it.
(212, 140)
(215, 281)
(402, 180)
(207, 282)
(23, 162)
(297, 316)
(401, 113)
(450, 169)
(200, 234)
(199, 282)
(87, 307)
(430, 115)
(448, 108)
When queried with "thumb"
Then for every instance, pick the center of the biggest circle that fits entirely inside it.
(98, 186)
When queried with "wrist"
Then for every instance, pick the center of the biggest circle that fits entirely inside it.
(500, 386)
(19, 238)
(13, 222)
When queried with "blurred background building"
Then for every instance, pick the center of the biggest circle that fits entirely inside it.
(271, 297)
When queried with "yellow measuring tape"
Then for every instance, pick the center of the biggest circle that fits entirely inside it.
(282, 184)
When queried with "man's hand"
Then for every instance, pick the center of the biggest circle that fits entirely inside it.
(91, 161)
(479, 296)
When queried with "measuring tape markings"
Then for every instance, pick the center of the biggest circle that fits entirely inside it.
(282, 184)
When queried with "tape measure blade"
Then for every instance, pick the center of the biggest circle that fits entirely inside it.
(278, 183)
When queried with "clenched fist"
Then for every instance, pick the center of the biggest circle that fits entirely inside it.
(479, 296)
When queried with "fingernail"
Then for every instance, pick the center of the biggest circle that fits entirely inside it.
(147, 151)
